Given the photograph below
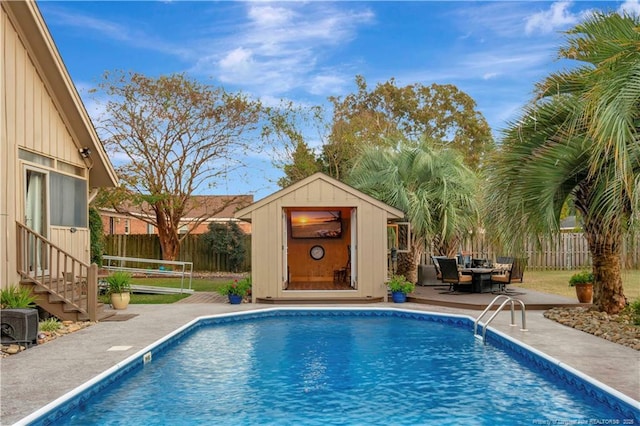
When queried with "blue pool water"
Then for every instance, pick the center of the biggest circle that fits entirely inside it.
(342, 368)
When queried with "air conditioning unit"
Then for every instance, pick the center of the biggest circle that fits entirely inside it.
(19, 326)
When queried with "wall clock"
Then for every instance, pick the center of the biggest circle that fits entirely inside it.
(317, 252)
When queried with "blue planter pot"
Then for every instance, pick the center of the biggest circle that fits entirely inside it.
(234, 299)
(398, 297)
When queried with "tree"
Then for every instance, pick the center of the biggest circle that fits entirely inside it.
(304, 164)
(434, 188)
(579, 140)
(288, 122)
(389, 113)
(227, 239)
(170, 137)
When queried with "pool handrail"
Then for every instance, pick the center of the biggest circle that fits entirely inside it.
(510, 300)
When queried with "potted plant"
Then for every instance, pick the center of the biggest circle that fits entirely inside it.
(399, 287)
(583, 282)
(119, 289)
(236, 290)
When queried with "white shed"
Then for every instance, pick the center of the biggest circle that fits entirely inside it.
(319, 240)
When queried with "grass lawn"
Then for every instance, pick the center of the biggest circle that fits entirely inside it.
(553, 282)
(557, 282)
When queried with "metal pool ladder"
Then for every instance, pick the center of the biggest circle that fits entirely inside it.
(508, 299)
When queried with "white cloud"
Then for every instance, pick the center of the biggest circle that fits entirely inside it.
(279, 48)
(631, 7)
(328, 84)
(237, 62)
(268, 16)
(556, 17)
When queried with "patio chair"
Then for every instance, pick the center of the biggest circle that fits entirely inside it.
(519, 264)
(435, 260)
(502, 274)
(451, 275)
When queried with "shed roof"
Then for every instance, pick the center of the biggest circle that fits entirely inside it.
(35, 34)
(245, 213)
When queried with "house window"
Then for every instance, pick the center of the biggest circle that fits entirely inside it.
(126, 226)
(150, 229)
(112, 225)
(70, 168)
(32, 157)
(183, 229)
(68, 200)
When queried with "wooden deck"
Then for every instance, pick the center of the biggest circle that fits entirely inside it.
(440, 296)
(428, 295)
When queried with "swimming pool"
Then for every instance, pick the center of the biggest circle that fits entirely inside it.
(337, 366)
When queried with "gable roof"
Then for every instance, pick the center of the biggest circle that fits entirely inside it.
(35, 35)
(392, 211)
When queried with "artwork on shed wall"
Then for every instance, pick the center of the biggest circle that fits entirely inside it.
(308, 224)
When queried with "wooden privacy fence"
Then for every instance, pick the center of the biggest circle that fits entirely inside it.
(566, 251)
(192, 249)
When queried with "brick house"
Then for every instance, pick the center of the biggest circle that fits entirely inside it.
(197, 219)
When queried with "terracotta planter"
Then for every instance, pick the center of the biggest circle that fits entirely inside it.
(584, 292)
(120, 300)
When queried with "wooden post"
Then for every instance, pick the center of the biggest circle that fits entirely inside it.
(92, 292)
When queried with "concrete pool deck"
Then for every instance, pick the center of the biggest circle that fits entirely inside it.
(39, 375)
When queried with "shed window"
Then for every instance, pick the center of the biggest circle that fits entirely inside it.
(399, 236)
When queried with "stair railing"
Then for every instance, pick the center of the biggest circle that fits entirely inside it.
(60, 273)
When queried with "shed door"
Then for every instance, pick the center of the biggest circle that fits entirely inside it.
(354, 249)
(285, 265)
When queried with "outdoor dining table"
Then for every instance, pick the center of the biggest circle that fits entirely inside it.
(480, 279)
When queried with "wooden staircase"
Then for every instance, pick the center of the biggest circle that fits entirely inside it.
(63, 285)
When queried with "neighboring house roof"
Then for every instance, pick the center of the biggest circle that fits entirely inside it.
(34, 33)
(198, 206)
(245, 213)
(570, 222)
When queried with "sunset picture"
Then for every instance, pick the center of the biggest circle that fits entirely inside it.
(316, 224)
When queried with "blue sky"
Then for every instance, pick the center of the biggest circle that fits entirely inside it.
(307, 51)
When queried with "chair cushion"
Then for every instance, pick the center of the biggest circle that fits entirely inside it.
(500, 278)
(502, 266)
(465, 278)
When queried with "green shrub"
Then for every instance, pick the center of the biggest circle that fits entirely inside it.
(400, 283)
(50, 325)
(16, 297)
(226, 239)
(96, 234)
(583, 277)
(239, 288)
(635, 311)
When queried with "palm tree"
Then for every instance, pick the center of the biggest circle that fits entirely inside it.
(578, 140)
(431, 185)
